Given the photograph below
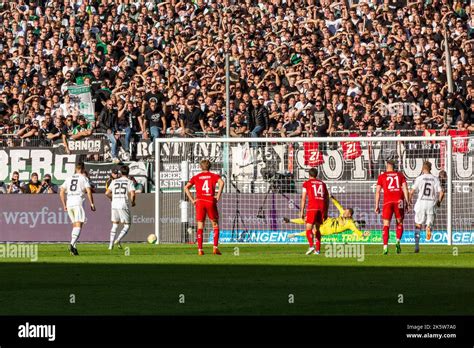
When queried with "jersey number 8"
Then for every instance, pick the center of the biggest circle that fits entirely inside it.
(73, 186)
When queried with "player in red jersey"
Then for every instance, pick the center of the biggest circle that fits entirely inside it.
(206, 202)
(317, 212)
(395, 201)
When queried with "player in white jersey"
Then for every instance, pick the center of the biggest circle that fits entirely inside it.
(122, 193)
(76, 187)
(430, 196)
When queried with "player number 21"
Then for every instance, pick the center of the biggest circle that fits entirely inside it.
(392, 181)
(318, 190)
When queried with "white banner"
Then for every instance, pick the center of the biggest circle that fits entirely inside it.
(81, 100)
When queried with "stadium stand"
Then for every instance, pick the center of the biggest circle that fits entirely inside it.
(297, 68)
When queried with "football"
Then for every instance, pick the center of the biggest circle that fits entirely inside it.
(151, 239)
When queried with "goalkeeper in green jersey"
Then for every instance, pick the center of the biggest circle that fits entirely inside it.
(332, 225)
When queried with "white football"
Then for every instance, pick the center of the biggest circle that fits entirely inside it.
(151, 239)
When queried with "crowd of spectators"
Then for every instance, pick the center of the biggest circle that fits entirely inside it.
(33, 186)
(297, 67)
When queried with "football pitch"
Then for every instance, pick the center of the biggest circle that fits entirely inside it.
(145, 279)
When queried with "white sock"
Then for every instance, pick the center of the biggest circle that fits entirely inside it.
(398, 240)
(76, 232)
(112, 235)
(385, 246)
(123, 232)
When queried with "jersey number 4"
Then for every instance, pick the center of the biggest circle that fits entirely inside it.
(205, 186)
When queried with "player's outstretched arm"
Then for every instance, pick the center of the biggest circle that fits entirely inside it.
(108, 194)
(302, 203)
(62, 196)
(300, 234)
(221, 184)
(133, 197)
(406, 194)
(91, 198)
(440, 198)
(354, 229)
(377, 199)
(188, 192)
(337, 204)
(411, 194)
(326, 202)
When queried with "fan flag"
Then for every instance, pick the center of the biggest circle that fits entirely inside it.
(460, 140)
(351, 149)
(312, 156)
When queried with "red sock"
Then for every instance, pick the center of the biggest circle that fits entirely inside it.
(318, 241)
(385, 235)
(199, 238)
(216, 237)
(399, 231)
(309, 236)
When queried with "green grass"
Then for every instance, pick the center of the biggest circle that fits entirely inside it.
(259, 281)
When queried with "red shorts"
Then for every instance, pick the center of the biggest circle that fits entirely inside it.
(315, 217)
(204, 208)
(397, 208)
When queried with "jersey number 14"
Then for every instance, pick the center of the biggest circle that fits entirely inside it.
(318, 190)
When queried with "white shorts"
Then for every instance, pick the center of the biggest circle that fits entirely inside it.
(425, 212)
(76, 214)
(121, 215)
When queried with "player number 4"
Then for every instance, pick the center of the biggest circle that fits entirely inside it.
(205, 186)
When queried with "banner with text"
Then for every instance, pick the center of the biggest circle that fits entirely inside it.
(81, 101)
(39, 160)
(41, 218)
(100, 172)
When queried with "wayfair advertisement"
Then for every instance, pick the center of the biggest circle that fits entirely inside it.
(41, 218)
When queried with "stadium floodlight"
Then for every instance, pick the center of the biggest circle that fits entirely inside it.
(266, 175)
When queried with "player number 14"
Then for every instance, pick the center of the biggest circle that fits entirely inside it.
(318, 190)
